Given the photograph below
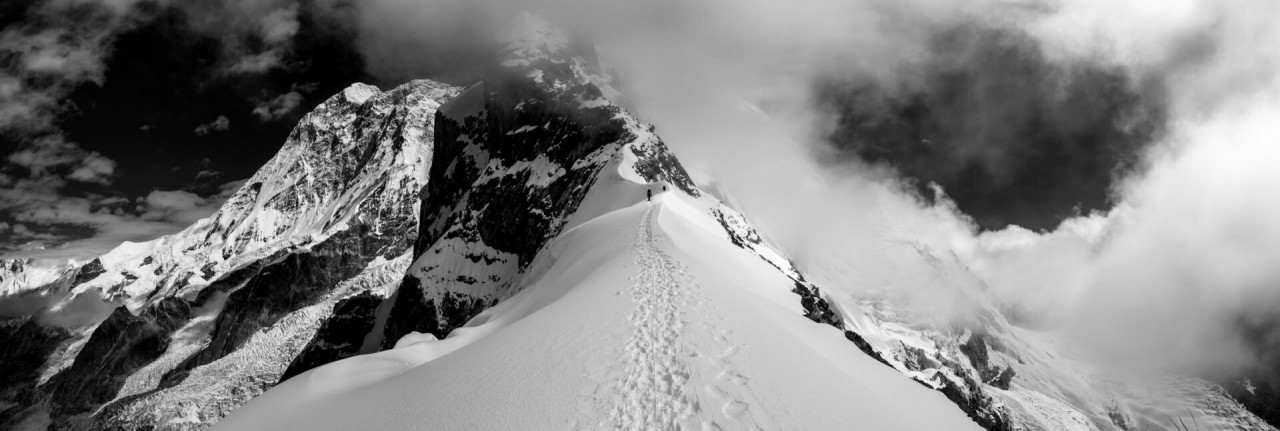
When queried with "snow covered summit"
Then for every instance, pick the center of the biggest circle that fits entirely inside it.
(178, 331)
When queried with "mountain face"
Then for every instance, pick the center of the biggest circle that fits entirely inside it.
(280, 279)
(488, 257)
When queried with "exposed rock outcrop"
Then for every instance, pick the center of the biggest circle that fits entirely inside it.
(514, 156)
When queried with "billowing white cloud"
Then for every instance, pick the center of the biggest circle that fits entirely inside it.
(1179, 264)
(93, 168)
(279, 25)
(49, 155)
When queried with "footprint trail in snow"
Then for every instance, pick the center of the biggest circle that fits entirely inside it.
(654, 391)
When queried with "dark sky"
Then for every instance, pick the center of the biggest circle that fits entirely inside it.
(1011, 137)
(164, 82)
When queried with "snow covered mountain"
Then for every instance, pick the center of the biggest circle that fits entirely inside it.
(488, 258)
(191, 325)
(596, 307)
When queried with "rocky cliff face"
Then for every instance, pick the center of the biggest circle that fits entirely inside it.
(515, 155)
(279, 280)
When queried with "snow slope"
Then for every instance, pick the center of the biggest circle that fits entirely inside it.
(644, 317)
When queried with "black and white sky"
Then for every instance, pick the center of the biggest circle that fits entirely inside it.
(1101, 164)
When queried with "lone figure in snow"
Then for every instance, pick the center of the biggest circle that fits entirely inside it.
(648, 195)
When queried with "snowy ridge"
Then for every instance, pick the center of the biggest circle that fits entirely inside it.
(651, 331)
(673, 327)
(652, 395)
(744, 358)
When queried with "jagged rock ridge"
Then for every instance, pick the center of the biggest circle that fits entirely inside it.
(515, 155)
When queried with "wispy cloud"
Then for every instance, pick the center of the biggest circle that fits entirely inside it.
(220, 124)
(108, 220)
(278, 106)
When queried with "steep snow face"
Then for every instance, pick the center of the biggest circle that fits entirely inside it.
(340, 167)
(19, 276)
(287, 275)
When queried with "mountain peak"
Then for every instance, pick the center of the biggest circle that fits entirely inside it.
(359, 92)
(529, 33)
(553, 56)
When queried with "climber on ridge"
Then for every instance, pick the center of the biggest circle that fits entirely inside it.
(648, 195)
